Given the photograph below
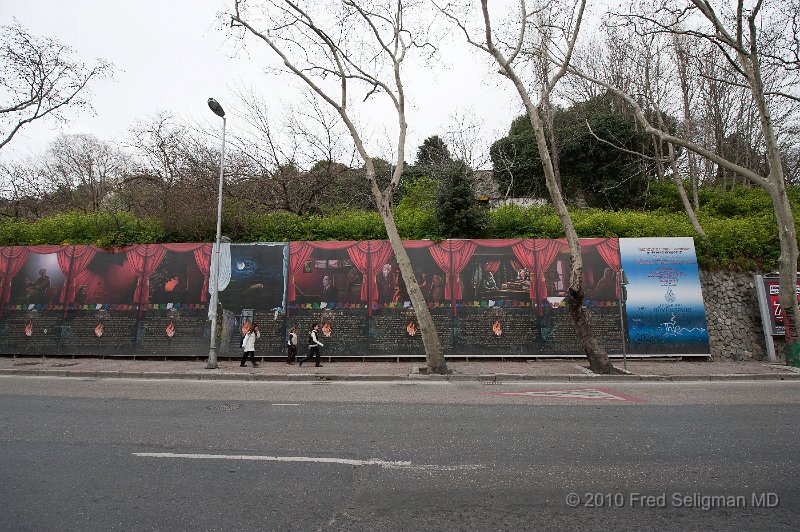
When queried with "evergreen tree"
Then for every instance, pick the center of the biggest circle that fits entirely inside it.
(457, 209)
(605, 176)
(433, 152)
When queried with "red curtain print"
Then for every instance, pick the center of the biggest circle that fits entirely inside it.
(609, 250)
(202, 257)
(369, 256)
(545, 252)
(461, 251)
(143, 261)
(11, 261)
(359, 254)
(524, 251)
(298, 255)
(73, 261)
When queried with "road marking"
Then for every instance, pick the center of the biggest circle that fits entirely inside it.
(285, 404)
(316, 459)
(591, 394)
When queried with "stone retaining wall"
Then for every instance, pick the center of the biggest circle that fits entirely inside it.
(734, 323)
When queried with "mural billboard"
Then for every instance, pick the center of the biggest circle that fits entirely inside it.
(486, 297)
(601, 264)
(664, 302)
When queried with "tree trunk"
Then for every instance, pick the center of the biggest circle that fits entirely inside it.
(597, 356)
(434, 354)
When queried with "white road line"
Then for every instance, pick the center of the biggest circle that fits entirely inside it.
(285, 404)
(315, 459)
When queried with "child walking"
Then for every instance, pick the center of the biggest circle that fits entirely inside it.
(313, 345)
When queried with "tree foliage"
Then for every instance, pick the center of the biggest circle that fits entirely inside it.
(457, 209)
(591, 167)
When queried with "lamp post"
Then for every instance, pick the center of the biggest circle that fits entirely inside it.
(212, 350)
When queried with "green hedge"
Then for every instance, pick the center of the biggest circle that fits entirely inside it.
(105, 230)
(740, 226)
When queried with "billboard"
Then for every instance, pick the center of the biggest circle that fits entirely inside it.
(486, 297)
(664, 306)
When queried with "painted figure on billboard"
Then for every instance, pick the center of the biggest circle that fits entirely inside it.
(36, 276)
(387, 285)
(38, 290)
(606, 288)
(328, 292)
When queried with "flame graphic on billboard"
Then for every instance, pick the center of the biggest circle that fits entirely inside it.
(411, 329)
(170, 329)
(497, 329)
(98, 331)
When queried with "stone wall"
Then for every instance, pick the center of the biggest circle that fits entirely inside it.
(734, 323)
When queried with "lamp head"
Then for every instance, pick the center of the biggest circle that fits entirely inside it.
(216, 107)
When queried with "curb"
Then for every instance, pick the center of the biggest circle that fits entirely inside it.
(494, 378)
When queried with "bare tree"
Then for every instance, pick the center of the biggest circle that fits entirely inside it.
(85, 168)
(736, 34)
(39, 78)
(298, 163)
(360, 44)
(22, 189)
(466, 136)
(511, 55)
(684, 52)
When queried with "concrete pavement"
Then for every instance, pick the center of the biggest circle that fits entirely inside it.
(549, 370)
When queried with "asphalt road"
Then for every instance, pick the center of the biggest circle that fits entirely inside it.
(78, 454)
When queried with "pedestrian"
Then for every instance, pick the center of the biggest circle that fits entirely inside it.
(249, 345)
(313, 345)
(291, 345)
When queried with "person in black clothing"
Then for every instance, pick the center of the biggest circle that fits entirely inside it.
(291, 345)
(313, 345)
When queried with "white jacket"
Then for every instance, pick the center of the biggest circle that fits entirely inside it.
(250, 341)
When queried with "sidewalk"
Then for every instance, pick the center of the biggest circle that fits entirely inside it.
(557, 370)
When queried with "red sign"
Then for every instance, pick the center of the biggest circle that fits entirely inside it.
(772, 287)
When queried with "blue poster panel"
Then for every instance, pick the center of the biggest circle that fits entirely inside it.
(252, 276)
(663, 298)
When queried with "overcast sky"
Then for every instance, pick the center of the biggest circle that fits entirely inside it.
(172, 55)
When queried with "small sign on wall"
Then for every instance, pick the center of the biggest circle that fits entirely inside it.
(774, 318)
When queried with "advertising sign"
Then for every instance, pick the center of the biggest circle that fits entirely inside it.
(772, 289)
(664, 307)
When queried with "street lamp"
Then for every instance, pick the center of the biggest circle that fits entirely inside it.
(212, 350)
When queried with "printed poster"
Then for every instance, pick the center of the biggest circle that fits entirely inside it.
(663, 299)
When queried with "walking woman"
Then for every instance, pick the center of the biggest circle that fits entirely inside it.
(249, 345)
(291, 345)
(313, 345)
